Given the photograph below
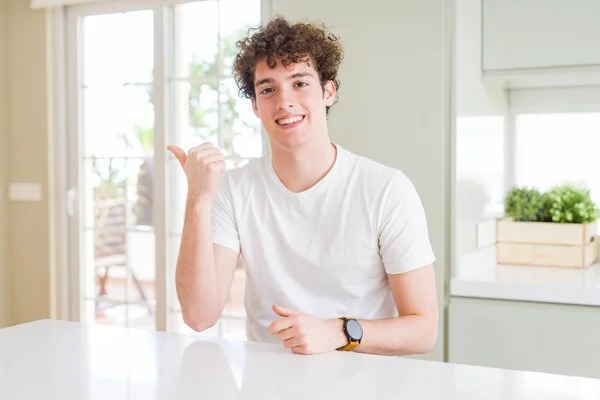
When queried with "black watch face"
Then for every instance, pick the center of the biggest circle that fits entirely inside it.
(354, 330)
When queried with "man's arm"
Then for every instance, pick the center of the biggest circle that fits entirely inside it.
(204, 271)
(414, 331)
(408, 258)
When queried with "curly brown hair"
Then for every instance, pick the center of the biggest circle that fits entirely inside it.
(280, 40)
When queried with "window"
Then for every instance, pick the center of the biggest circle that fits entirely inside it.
(556, 137)
(557, 148)
(147, 74)
(547, 137)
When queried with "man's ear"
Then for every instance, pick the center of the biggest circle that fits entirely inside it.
(329, 93)
(254, 106)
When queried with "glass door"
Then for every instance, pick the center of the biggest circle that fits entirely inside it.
(205, 106)
(113, 238)
(141, 75)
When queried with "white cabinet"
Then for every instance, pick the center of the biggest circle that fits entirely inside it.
(551, 338)
(558, 39)
(521, 34)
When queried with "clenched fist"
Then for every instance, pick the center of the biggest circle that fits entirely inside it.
(203, 166)
(307, 334)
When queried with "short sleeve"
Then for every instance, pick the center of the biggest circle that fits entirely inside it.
(403, 234)
(224, 227)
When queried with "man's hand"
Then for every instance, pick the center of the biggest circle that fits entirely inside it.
(307, 334)
(203, 166)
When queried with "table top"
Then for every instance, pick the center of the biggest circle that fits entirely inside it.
(54, 360)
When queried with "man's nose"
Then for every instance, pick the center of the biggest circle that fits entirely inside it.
(284, 99)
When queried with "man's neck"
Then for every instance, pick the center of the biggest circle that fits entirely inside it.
(303, 168)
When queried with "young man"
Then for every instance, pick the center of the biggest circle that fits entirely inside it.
(335, 245)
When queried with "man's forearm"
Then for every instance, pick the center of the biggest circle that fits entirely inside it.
(411, 334)
(196, 278)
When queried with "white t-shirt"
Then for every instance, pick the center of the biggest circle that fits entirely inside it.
(325, 251)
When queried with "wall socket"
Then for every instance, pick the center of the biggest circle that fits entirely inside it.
(27, 192)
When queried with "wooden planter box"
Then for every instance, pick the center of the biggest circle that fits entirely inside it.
(546, 244)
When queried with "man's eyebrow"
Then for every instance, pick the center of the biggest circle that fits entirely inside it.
(293, 76)
(300, 75)
(263, 81)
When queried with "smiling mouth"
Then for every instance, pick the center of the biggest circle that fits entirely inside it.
(291, 121)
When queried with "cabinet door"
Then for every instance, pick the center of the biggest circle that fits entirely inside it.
(549, 338)
(540, 34)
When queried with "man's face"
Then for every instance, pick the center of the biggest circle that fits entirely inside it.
(291, 102)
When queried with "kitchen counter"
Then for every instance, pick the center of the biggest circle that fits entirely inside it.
(578, 286)
(55, 360)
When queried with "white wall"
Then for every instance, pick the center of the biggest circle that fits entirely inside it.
(480, 126)
(4, 276)
(393, 97)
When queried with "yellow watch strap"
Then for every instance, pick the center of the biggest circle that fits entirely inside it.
(349, 347)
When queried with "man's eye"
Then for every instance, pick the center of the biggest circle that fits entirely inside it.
(266, 91)
(301, 84)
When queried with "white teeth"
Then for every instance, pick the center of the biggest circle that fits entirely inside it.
(287, 121)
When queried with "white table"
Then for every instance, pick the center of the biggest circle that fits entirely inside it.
(57, 360)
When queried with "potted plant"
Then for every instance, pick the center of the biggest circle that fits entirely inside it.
(553, 228)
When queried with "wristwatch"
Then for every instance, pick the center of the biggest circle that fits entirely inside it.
(353, 332)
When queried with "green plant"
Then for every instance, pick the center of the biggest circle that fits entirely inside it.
(547, 206)
(524, 204)
(570, 204)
